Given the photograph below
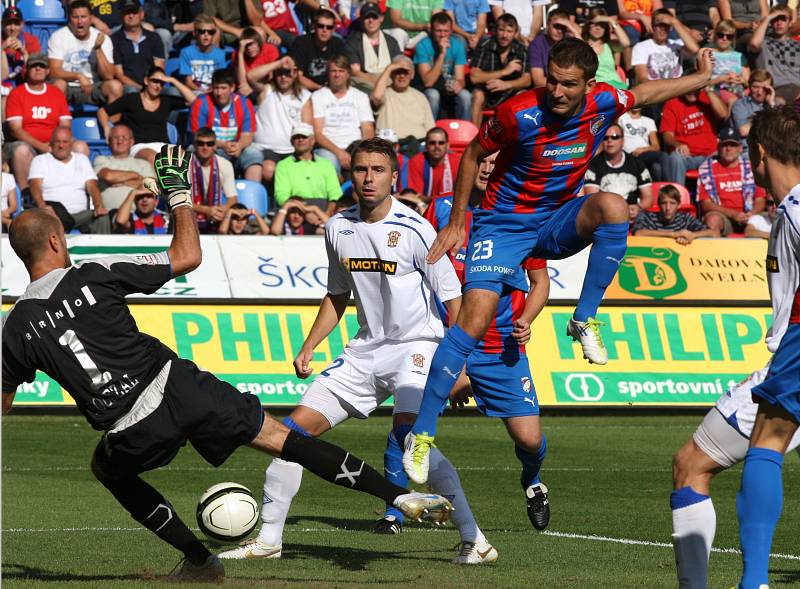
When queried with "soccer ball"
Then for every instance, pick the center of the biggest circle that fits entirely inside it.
(227, 512)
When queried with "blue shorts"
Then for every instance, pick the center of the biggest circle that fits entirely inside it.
(782, 385)
(500, 242)
(502, 385)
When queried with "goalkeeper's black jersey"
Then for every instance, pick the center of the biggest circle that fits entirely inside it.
(74, 325)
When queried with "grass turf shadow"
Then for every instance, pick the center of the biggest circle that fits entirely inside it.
(14, 571)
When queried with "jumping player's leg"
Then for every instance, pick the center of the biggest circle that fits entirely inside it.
(714, 447)
(530, 447)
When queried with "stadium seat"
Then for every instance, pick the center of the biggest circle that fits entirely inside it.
(687, 206)
(87, 129)
(172, 133)
(172, 66)
(460, 132)
(42, 18)
(253, 195)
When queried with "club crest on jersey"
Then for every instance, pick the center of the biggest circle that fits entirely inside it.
(418, 360)
(393, 238)
(597, 124)
(370, 265)
(526, 384)
(772, 264)
(622, 97)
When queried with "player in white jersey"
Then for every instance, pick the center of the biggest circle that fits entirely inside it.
(736, 423)
(774, 148)
(376, 250)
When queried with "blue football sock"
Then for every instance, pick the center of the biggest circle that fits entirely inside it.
(758, 506)
(393, 465)
(609, 243)
(531, 464)
(447, 364)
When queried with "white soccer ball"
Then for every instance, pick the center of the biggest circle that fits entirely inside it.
(227, 512)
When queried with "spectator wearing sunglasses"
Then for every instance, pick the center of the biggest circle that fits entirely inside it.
(201, 59)
(279, 99)
(778, 52)
(211, 177)
(745, 14)
(660, 57)
(613, 170)
(559, 26)
(729, 63)
(146, 113)
(370, 50)
(433, 172)
(312, 51)
(239, 220)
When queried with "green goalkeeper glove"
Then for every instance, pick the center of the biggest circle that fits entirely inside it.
(172, 176)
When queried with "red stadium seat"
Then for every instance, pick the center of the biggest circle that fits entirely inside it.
(687, 206)
(460, 132)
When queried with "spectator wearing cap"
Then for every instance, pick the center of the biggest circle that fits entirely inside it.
(612, 170)
(303, 175)
(212, 177)
(440, 59)
(761, 94)
(370, 51)
(390, 135)
(433, 172)
(669, 221)
(297, 217)
(689, 126)
(239, 220)
(726, 188)
(233, 120)
(120, 173)
(401, 107)
(314, 50)
(469, 19)
(201, 59)
(499, 68)
(138, 215)
(33, 111)
(559, 26)
(279, 99)
(135, 48)
(342, 115)
(18, 45)
(82, 59)
(778, 52)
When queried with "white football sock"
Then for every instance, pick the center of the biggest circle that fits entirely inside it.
(280, 486)
(444, 480)
(693, 530)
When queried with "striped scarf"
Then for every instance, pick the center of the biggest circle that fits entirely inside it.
(706, 178)
(447, 177)
(200, 196)
(140, 227)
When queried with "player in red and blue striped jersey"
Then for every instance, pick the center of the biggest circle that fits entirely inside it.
(546, 138)
(498, 370)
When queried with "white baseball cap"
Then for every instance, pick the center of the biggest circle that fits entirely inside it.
(303, 129)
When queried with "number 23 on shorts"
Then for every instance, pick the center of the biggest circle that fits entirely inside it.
(481, 250)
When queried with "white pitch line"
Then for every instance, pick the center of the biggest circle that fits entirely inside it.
(567, 535)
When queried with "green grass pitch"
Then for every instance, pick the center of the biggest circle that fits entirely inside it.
(609, 478)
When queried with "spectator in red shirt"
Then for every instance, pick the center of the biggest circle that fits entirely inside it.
(17, 45)
(275, 17)
(433, 172)
(251, 53)
(33, 111)
(726, 188)
(689, 124)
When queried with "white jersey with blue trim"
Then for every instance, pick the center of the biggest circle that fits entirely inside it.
(383, 265)
(783, 278)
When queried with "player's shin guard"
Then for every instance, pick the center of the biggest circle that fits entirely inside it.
(609, 243)
(446, 366)
(337, 466)
(393, 466)
(531, 463)
(694, 524)
(444, 480)
(148, 507)
(281, 484)
(758, 506)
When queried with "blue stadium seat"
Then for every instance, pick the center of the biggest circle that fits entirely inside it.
(42, 18)
(253, 195)
(172, 133)
(172, 66)
(87, 129)
(19, 203)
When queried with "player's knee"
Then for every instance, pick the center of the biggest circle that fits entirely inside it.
(100, 472)
(531, 443)
(613, 207)
(683, 470)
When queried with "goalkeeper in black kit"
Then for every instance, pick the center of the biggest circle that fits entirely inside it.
(73, 323)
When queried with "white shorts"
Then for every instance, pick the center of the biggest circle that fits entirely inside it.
(137, 147)
(359, 380)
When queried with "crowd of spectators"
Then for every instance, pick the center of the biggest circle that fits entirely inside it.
(277, 93)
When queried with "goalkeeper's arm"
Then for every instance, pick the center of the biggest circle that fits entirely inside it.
(172, 171)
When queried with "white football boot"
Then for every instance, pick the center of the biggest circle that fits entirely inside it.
(588, 334)
(424, 507)
(251, 549)
(475, 553)
(417, 456)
